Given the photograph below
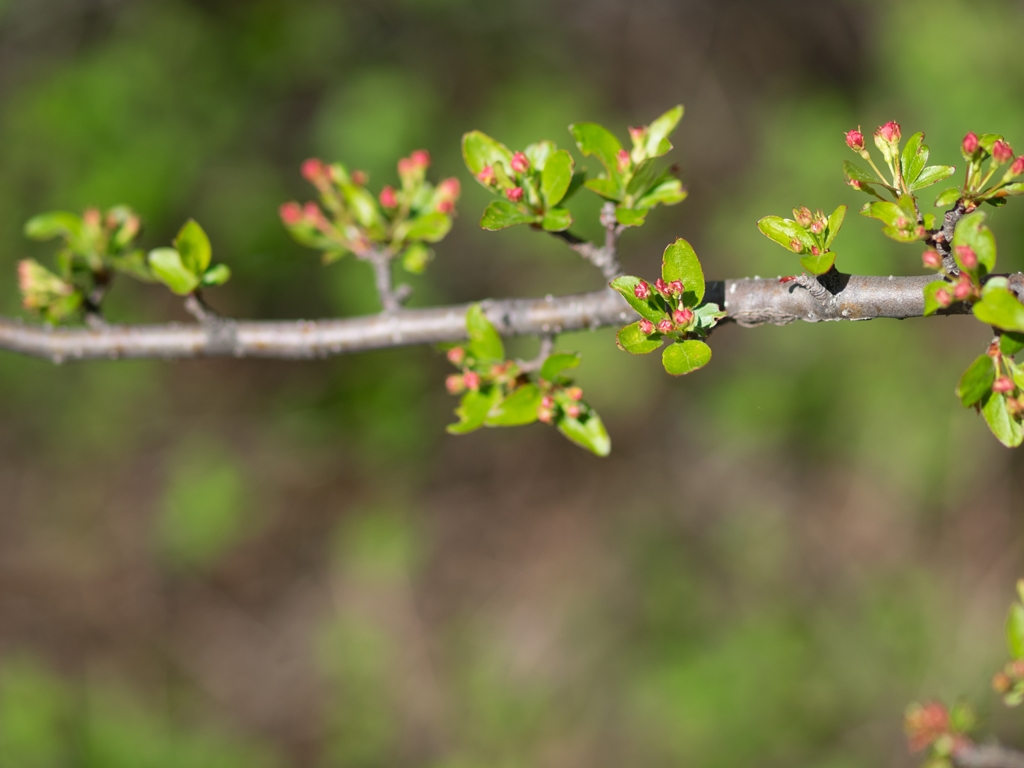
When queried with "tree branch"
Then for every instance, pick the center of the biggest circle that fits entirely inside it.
(748, 302)
(987, 756)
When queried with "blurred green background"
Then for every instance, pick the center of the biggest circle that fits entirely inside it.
(211, 564)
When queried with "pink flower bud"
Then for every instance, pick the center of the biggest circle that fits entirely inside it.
(573, 411)
(890, 132)
(545, 415)
(970, 143)
(574, 393)
(472, 380)
(1003, 384)
(902, 223)
(486, 175)
(962, 290)
(796, 245)
(815, 251)
(455, 384)
(931, 259)
(818, 226)
(547, 402)
(291, 214)
(1018, 166)
(313, 171)
(388, 197)
(638, 134)
(420, 158)
(855, 140)
(642, 290)
(92, 217)
(662, 287)
(665, 326)
(803, 216)
(623, 159)
(646, 327)
(515, 194)
(359, 178)
(967, 256)
(855, 183)
(1001, 152)
(676, 288)
(446, 206)
(450, 188)
(943, 297)
(406, 167)
(683, 316)
(456, 355)
(520, 163)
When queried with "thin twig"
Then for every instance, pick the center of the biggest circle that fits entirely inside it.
(390, 298)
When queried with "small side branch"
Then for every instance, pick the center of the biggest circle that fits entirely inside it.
(391, 298)
(606, 257)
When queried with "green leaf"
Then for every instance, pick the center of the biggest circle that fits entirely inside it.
(47, 226)
(416, 258)
(631, 339)
(133, 263)
(473, 410)
(915, 157)
(504, 213)
(933, 174)
(194, 247)
(680, 262)
(668, 190)
(539, 153)
(517, 409)
(685, 357)
(947, 197)
(642, 179)
(480, 150)
(587, 432)
(168, 268)
(1010, 190)
(556, 177)
(657, 143)
(217, 275)
(610, 189)
(485, 342)
(708, 316)
(887, 212)
(1007, 429)
(1000, 307)
(976, 382)
(363, 205)
(931, 304)
(1015, 631)
(626, 286)
(855, 173)
(820, 264)
(835, 223)
(1011, 343)
(596, 140)
(556, 220)
(431, 227)
(972, 231)
(630, 218)
(785, 232)
(555, 364)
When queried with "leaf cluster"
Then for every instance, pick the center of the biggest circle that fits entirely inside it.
(810, 235)
(186, 267)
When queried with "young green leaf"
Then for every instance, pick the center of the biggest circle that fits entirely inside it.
(933, 174)
(657, 143)
(976, 381)
(999, 307)
(820, 264)
(588, 432)
(194, 247)
(680, 262)
(556, 177)
(947, 197)
(685, 357)
(485, 342)
(556, 220)
(835, 223)
(539, 153)
(1011, 343)
(631, 339)
(47, 226)
(626, 285)
(786, 233)
(596, 140)
(855, 173)
(1010, 190)
(480, 150)
(609, 189)
(1015, 631)
(473, 410)
(517, 409)
(503, 213)
(167, 266)
(1004, 426)
(630, 218)
(667, 190)
(914, 159)
(431, 227)
(557, 363)
(416, 258)
(217, 275)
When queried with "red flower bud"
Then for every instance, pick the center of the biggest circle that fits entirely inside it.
(456, 355)
(803, 216)
(486, 175)
(574, 393)
(420, 158)
(547, 402)
(291, 214)
(455, 384)
(855, 140)
(359, 178)
(388, 197)
(1001, 152)
(967, 256)
(943, 297)
(313, 171)
(573, 411)
(623, 159)
(646, 327)
(642, 290)
(796, 245)
(1018, 166)
(665, 326)
(662, 287)
(1003, 384)
(855, 183)
(515, 194)
(931, 259)
(683, 316)
(890, 132)
(970, 143)
(450, 188)
(815, 251)
(676, 288)
(445, 206)
(962, 290)
(406, 167)
(472, 379)
(520, 163)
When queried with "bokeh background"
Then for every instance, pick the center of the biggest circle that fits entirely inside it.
(211, 564)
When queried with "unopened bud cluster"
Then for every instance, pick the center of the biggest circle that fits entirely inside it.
(678, 317)
(942, 731)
